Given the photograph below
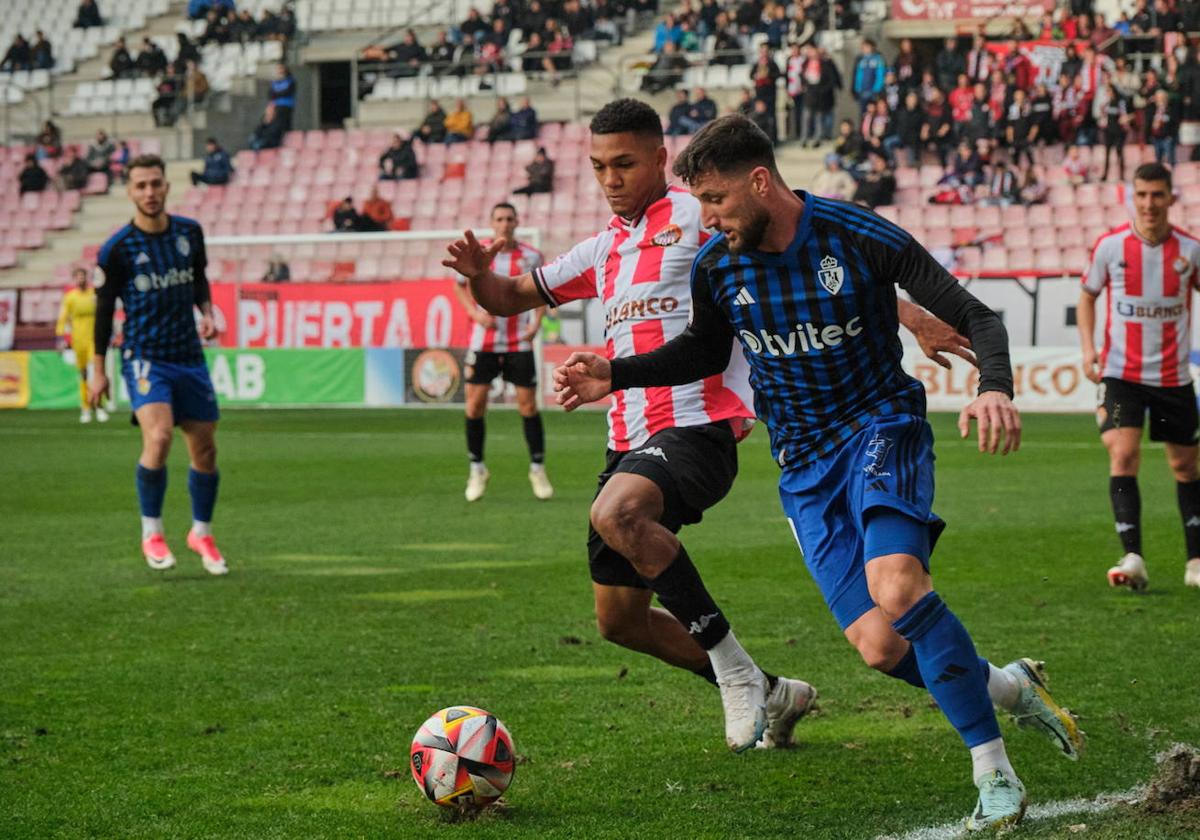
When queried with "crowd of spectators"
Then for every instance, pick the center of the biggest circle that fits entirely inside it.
(224, 24)
(459, 125)
(70, 170)
(536, 36)
(22, 55)
(986, 110)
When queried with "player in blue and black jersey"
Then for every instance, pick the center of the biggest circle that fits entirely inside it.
(808, 287)
(156, 266)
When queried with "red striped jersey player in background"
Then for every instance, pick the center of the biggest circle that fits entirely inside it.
(503, 346)
(1149, 268)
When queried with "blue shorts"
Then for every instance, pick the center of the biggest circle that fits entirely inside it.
(187, 388)
(870, 498)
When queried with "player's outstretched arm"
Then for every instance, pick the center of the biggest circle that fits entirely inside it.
(935, 337)
(498, 295)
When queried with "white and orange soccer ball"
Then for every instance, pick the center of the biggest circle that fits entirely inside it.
(462, 757)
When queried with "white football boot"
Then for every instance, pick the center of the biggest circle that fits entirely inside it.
(789, 701)
(477, 483)
(1191, 577)
(1001, 803)
(85, 416)
(744, 697)
(101, 415)
(540, 482)
(1131, 572)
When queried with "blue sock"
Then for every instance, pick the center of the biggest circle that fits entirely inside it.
(151, 488)
(908, 671)
(203, 489)
(950, 668)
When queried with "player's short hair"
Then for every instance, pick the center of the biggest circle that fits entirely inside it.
(147, 162)
(1153, 172)
(504, 205)
(622, 116)
(726, 145)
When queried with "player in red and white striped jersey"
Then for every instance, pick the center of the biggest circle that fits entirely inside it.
(672, 450)
(1149, 269)
(503, 346)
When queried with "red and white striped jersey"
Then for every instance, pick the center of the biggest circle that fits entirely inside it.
(1147, 331)
(506, 336)
(642, 273)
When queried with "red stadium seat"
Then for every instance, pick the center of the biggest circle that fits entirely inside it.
(995, 259)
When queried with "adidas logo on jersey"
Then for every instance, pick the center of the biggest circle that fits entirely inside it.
(743, 297)
(142, 259)
(652, 450)
(806, 338)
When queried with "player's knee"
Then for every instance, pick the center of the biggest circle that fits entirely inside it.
(618, 521)
(614, 628)
(880, 654)
(204, 456)
(157, 441)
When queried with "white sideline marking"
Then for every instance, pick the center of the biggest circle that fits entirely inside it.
(1044, 811)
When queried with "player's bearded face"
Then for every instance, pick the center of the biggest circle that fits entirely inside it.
(148, 188)
(728, 205)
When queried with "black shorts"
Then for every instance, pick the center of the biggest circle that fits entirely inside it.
(693, 466)
(517, 368)
(1173, 414)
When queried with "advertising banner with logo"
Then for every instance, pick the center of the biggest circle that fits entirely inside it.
(416, 313)
(14, 380)
(8, 317)
(434, 376)
(1045, 379)
(1047, 56)
(962, 9)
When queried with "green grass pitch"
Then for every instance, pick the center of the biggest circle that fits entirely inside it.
(365, 594)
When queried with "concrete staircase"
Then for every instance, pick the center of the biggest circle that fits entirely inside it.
(98, 218)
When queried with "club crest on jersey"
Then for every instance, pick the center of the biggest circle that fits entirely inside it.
(183, 246)
(831, 275)
(668, 236)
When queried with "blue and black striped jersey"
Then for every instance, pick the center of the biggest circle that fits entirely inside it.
(159, 278)
(819, 327)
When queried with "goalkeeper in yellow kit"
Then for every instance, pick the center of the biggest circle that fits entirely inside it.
(79, 313)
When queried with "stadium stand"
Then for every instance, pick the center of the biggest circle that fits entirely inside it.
(70, 45)
(290, 190)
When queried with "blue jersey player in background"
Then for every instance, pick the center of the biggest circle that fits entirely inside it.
(156, 266)
(808, 286)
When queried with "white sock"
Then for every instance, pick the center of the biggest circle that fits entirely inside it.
(477, 467)
(151, 525)
(1003, 687)
(989, 757)
(535, 467)
(729, 659)
(201, 529)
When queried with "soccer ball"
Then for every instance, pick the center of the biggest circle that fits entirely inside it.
(463, 757)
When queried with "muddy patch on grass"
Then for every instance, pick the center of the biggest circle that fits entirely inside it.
(1176, 784)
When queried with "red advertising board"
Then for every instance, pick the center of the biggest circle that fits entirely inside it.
(415, 313)
(965, 9)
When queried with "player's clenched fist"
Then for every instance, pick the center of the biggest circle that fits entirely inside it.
(583, 378)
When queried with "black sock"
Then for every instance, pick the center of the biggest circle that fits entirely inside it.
(535, 438)
(475, 435)
(707, 673)
(1188, 493)
(682, 593)
(771, 680)
(1127, 509)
